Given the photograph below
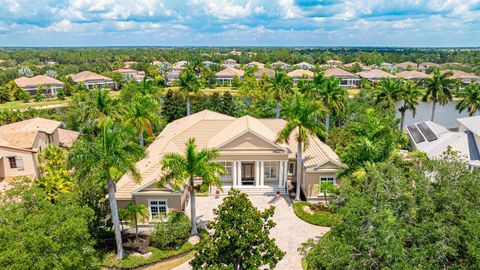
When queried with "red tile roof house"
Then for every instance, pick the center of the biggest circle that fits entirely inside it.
(225, 77)
(50, 85)
(348, 79)
(93, 80)
(300, 74)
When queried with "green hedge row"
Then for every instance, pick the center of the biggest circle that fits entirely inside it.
(320, 218)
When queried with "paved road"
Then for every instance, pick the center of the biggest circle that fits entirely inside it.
(289, 232)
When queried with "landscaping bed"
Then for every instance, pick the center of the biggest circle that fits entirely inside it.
(316, 215)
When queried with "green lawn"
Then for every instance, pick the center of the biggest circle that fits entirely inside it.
(19, 105)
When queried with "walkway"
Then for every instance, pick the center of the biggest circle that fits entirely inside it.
(289, 233)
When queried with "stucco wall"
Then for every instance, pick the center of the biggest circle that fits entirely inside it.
(29, 163)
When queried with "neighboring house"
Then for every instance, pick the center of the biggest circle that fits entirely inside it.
(225, 77)
(255, 64)
(230, 63)
(21, 142)
(252, 159)
(264, 72)
(181, 63)
(413, 75)
(305, 65)
(236, 53)
(352, 64)
(434, 139)
(93, 80)
(348, 79)
(464, 77)
(334, 63)
(129, 64)
(280, 65)
(375, 75)
(406, 66)
(300, 74)
(208, 63)
(173, 74)
(423, 67)
(50, 85)
(131, 74)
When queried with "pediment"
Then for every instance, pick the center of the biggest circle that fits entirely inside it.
(250, 141)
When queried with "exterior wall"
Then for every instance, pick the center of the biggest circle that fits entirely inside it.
(42, 140)
(312, 187)
(30, 163)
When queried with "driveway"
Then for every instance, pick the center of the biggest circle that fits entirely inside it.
(289, 232)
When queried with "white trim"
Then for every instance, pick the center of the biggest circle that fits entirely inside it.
(257, 173)
(150, 218)
(254, 133)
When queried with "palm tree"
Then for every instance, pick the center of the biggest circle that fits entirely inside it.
(188, 84)
(409, 93)
(107, 156)
(387, 92)
(142, 114)
(301, 113)
(281, 85)
(133, 213)
(471, 99)
(439, 88)
(192, 164)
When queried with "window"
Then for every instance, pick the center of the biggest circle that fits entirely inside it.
(157, 208)
(16, 162)
(327, 179)
(270, 170)
(50, 138)
(228, 168)
(291, 168)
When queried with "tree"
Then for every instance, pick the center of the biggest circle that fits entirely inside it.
(281, 85)
(39, 96)
(188, 83)
(14, 90)
(300, 114)
(38, 234)
(133, 213)
(439, 88)
(61, 94)
(108, 156)
(240, 239)
(236, 82)
(179, 169)
(387, 93)
(409, 94)
(471, 99)
(4, 95)
(54, 178)
(214, 102)
(173, 106)
(227, 104)
(142, 114)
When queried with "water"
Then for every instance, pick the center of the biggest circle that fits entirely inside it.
(444, 115)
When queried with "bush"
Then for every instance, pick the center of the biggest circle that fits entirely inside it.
(61, 94)
(24, 96)
(320, 218)
(172, 232)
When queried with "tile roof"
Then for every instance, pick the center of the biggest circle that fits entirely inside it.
(375, 74)
(299, 73)
(405, 65)
(458, 74)
(23, 134)
(339, 73)
(269, 72)
(87, 76)
(36, 80)
(413, 74)
(230, 72)
(67, 137)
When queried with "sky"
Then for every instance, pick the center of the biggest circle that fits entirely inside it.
(403, 23)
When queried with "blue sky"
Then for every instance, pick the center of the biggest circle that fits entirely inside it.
(240, 23)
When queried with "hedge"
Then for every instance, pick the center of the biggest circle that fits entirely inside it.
(320, 218)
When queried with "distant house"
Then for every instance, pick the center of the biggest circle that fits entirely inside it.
(21, 142)
(50, 85)
(225, 77)
(375, 75)
(131, 74)
(464, 77)
(173, 74)
(92, 80)
(236, 53)
(264, 72)
(348, 79)
(255, 64)
(413, 75)
(305, 65)
(334, 63)
(300, 74)
(181, 63)
(208, 63)
(423, 67)
(230, 62)
(433, 139)
(280, 65)
(406, 66)
(129, 64)
(352, 64)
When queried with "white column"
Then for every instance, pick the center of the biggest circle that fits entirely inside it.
(234, 174)
(285, 173)
(262, 173)
(239, 173)
(257, 173)
(280, 174)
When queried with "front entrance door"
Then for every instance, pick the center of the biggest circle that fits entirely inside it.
(248, 173)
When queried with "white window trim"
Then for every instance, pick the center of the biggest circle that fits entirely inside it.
(150, 218)
(320, 194)
(232, 165)
(277, 169)
(333, 177)
(288, 169)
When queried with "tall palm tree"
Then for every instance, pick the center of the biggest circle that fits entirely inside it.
(107, 156)
(180, 168)
(188, 83)
(142, 114)
(281, 85)
(471, 99)
(387, 92)
(301, 113)
(409, 93)
(439, 88)
(133, 213)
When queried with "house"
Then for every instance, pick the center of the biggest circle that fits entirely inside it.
(173, 74)
(413, 75)
(352, 64)
(423, 67)
(129, 64)
(348, 79)
(334, 63)
(131, 74)
(280, 65)
(375, 75)
(464, 77)
(406, 66)
(264, 72)
(21, 142)
(434, 139)
(305, 65)
(226, 76)
(255, 64)
(248, 152)
(50, 85)
(181, 63)
(230, 63)
(300, 74)
(93, 80)
(236, 53)
(208, 63)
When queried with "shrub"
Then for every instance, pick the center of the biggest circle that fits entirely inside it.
(61, 94)
(320, 218)
(24, 96)
(171, 232)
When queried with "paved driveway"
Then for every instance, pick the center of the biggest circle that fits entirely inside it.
(289, 232)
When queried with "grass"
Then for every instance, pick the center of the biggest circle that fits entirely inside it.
(304, 264)
(171, 263)
(320, 218)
